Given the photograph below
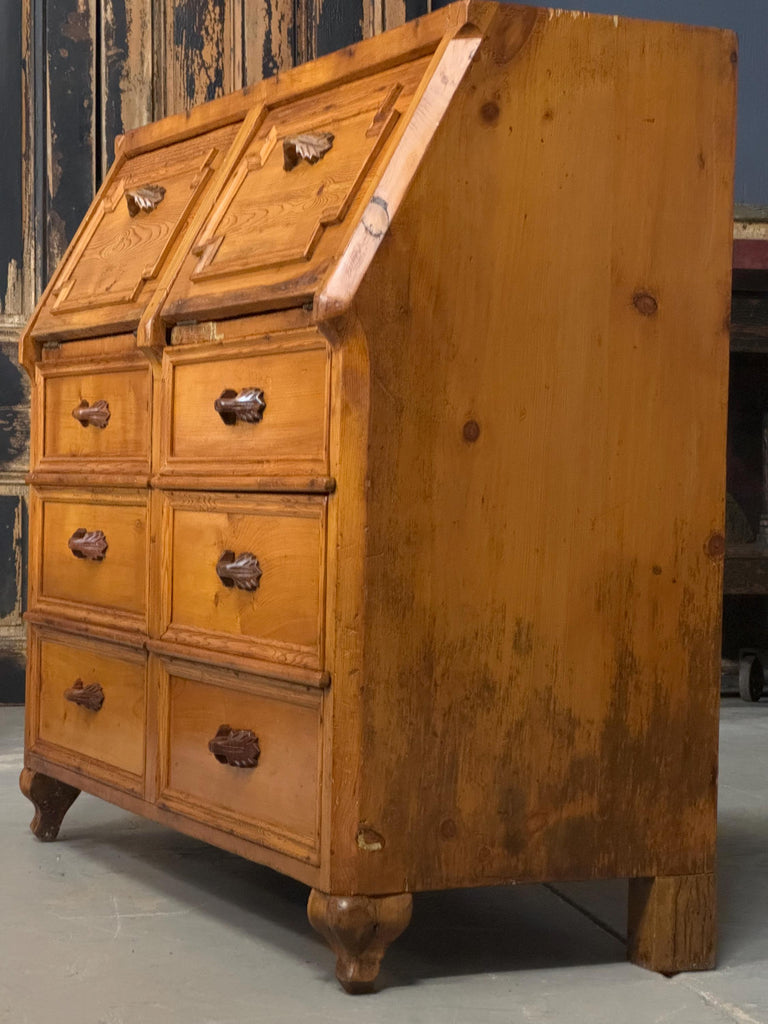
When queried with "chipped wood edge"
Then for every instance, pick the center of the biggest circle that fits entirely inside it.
(449, 65)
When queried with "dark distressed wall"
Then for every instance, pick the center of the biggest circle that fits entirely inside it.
(11, 243)
(14, 390)
(70, 153)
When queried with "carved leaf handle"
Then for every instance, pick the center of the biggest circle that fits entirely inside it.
(309, 146)
(144, 198)
(243, 572)
(90, 697)
(238, 748)
(90, 544)
(96, 415)
(247, 405)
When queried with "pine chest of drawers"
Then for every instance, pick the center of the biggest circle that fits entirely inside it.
(377, 475)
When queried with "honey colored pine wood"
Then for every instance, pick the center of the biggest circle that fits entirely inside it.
(109, 742)
(109, 587)
(94, 420)
(420, 585)
(274, 608)
(672, 922)
(276, 801)
(287, 434)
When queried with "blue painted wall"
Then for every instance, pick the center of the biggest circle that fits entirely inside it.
(750, 19)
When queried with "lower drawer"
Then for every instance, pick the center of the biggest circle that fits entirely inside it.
(244, 756)
(87, 706)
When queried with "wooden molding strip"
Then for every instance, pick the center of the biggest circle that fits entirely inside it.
(238, 663)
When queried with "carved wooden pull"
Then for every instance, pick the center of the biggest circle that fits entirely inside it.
(144, 198)
(96, 415)
(310, 146)
(243, 572)
(90, 544)
(90, 697)
(247, 405)
(238, 748)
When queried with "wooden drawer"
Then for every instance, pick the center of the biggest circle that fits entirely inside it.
(89, 555)
(94, 419)
(245, 575)
(279, 217)
(87, 706)
(273, 796)
(114, 263)
(260, 408)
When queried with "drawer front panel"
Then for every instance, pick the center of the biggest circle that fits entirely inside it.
(262, 780)
(92, 553)
(263, 411)
(247, 574)
(90, 705)
(96, 418)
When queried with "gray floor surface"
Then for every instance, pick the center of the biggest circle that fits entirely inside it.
(124, 922)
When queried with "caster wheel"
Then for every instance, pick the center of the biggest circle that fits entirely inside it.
(751, 678)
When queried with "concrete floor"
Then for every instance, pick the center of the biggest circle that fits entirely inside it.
(124, 922)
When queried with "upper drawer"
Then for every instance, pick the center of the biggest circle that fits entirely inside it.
(92, 420)
(112, 267)
(280, 216)
(231, 415)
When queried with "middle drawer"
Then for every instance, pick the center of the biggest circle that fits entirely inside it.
(89, 555)
(244, 574)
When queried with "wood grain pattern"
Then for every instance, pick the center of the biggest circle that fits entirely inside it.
(309, 874)
(271, 232)
(109, 743)
(359, 929)
(70, 77)
(488, 652)
(282, 620)
(591, 582)
(201, 39)
(113, 263)
(291, 438)
(268, 30)
(672, 923)
(123, 447)
(126, 70)
(113, 591)
(278, 801)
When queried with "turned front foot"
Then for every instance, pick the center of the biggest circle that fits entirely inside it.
(359, 930)
(672, 923)
(51, 798)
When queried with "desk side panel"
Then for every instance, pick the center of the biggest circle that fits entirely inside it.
(547, 324)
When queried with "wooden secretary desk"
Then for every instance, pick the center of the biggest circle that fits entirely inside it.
(378, 473)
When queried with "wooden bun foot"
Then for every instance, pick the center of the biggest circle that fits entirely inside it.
(51, 798)
(359, 930)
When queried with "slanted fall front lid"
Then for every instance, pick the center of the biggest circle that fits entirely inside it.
(273, 197)
(112, 268)
(327, 157)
